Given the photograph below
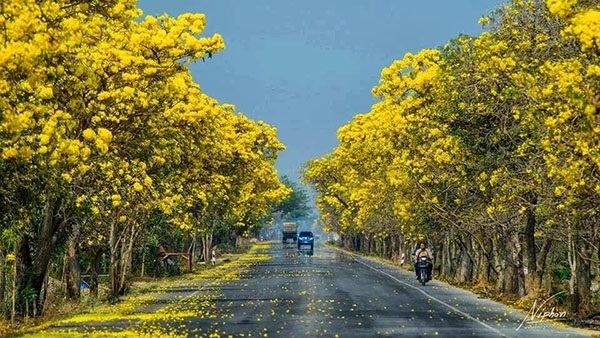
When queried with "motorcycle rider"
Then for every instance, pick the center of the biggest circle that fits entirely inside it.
(423, 251)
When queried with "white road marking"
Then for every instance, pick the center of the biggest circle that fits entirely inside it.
(435, 299)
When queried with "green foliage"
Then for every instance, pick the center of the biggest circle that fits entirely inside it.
(295, 206)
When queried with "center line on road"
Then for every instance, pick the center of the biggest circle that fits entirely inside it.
(433, 298)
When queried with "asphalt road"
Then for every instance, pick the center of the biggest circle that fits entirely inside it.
(333, 293)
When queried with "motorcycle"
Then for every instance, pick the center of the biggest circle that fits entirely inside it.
(424, 265)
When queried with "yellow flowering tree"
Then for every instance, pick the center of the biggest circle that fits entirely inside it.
(101, 123)
(225, 180)
(486, 147)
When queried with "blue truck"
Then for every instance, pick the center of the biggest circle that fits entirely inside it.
(306, 242)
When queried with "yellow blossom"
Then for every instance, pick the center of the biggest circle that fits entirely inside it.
(105, 135)
(9, 153)
(67, 177)
(46, 93)
(89, 134)
(116, 200)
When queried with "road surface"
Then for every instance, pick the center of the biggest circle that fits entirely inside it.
(334, 293)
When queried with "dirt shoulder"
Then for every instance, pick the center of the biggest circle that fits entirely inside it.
(152, 301)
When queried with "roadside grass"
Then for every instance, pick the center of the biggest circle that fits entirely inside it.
(485, 290)
(141, 311)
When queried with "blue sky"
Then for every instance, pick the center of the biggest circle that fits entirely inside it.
(307, 67)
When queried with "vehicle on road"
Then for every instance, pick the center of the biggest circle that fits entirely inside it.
(290, 231)
(424, 266)
(306, 242)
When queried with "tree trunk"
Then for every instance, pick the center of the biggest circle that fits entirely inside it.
(31, 273)
(521, 291)
(198, 248)
(374, 246)
(499, 263)
(466, 264)
(446, 270)
(510, 272)
(487, 248)
(73, 269)
(529, 238)
(45, 289)
(24, 275)
(583, 283)
(47, 242)
(126, 259)
(402, 250)
(203, 255)
(143, 262)
(207, 246)
(406, 244)
(541, 263)
(393, 247)
(513, 273)
(94, 271)
(389, 246)
(114, 261)
(598, 263)
(129, 257)
(482, 266)
(572, 264)
(2, 277)
(13, 311)
(437, 248)
(455, 254)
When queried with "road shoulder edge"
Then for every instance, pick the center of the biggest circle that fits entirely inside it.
(389, 264)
